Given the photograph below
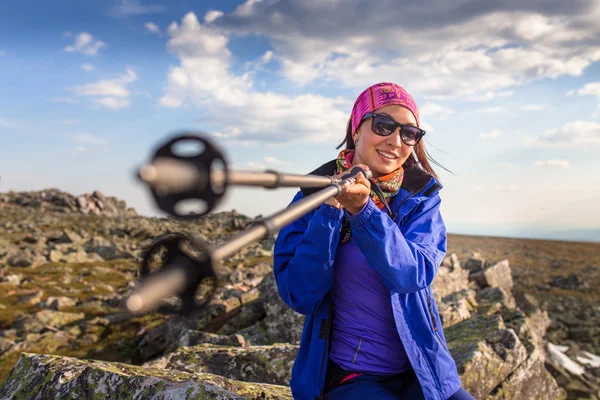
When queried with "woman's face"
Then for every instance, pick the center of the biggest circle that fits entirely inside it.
(383, 154)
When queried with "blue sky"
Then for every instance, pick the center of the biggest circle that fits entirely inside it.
(509, 94)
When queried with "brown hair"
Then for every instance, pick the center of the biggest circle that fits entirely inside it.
(422, 156)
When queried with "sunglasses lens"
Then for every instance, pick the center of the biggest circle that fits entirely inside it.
(383, 126)
(410, 135)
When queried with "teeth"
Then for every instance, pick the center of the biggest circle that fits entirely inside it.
(386, 155)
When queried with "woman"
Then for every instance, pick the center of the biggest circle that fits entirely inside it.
(360, 267)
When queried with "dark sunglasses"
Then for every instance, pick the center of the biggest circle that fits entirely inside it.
(383, 125)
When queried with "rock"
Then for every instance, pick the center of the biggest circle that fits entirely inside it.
(22, 259)
(498, 275)
(14, 279)
(572, 281)
(457, 307)
(69, 236)
(81, 257)
(194, 338)
(46, 318)
(486, 353)
(43, 377)
(281, 324)
(102, 247)
(58, 303)
(30, 299)
(448, 280)
(474, 265)
(5, 345)
(531, 380)
(55, 256)
(266, 364)
(494, 298)
(163, 339)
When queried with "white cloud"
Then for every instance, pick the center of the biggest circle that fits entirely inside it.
(572, 134)
(63, 100)
(6, 124)
(114, 103)
(275, 161)
(436, 50)
(87, 67)
(592, 88)
(533, 107)
(85, 44)
(504, 164)
(495, 109)
(435, 110)
(127, 8)
(267, 57)
(152, 28)
(203, 77)
(489, 95)
(87, 138)
(427, 127)
(212, 16)
(255, 165)
(111, 93)
(552, 163)
(78, 150)
(490, 135)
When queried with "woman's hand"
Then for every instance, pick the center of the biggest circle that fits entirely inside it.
(353, 197)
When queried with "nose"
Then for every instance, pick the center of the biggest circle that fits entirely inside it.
(394, 139)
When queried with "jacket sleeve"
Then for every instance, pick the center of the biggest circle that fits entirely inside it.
(406, 259)
(303, 257)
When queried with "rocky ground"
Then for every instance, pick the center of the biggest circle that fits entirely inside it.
(67, 262)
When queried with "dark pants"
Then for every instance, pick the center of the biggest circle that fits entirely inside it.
(404, 386)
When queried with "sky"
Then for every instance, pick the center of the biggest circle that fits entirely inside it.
(508, 91)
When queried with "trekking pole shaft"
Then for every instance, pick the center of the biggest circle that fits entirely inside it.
(176, 176)
(281, 219)
(270, 179)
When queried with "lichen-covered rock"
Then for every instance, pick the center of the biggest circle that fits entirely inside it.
(450, 278)
(457, 307)
(266, 364)
(167, 336)
(193, 338)
(58, 303)
(51, 377)
(282, 324)
(531, 380)
(485, 352)
(493, 298)
(46, 319)
(498, 275)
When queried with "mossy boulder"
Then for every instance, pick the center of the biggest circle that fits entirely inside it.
(485, 351)
(267, 364)
(46, 377)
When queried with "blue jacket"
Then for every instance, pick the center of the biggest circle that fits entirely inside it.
(406, 252)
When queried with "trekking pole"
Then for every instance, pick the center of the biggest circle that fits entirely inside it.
(189, 262)
(204, 176)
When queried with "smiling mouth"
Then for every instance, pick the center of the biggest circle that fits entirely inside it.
(387, 155)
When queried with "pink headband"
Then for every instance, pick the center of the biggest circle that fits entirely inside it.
(379, 95)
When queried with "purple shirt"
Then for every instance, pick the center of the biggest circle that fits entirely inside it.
(365, 338)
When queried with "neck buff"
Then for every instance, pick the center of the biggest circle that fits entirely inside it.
(389, 184)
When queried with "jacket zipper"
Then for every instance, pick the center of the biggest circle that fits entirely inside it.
(325, 350)
(435, 332)
(357, 350)
(406, 198)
